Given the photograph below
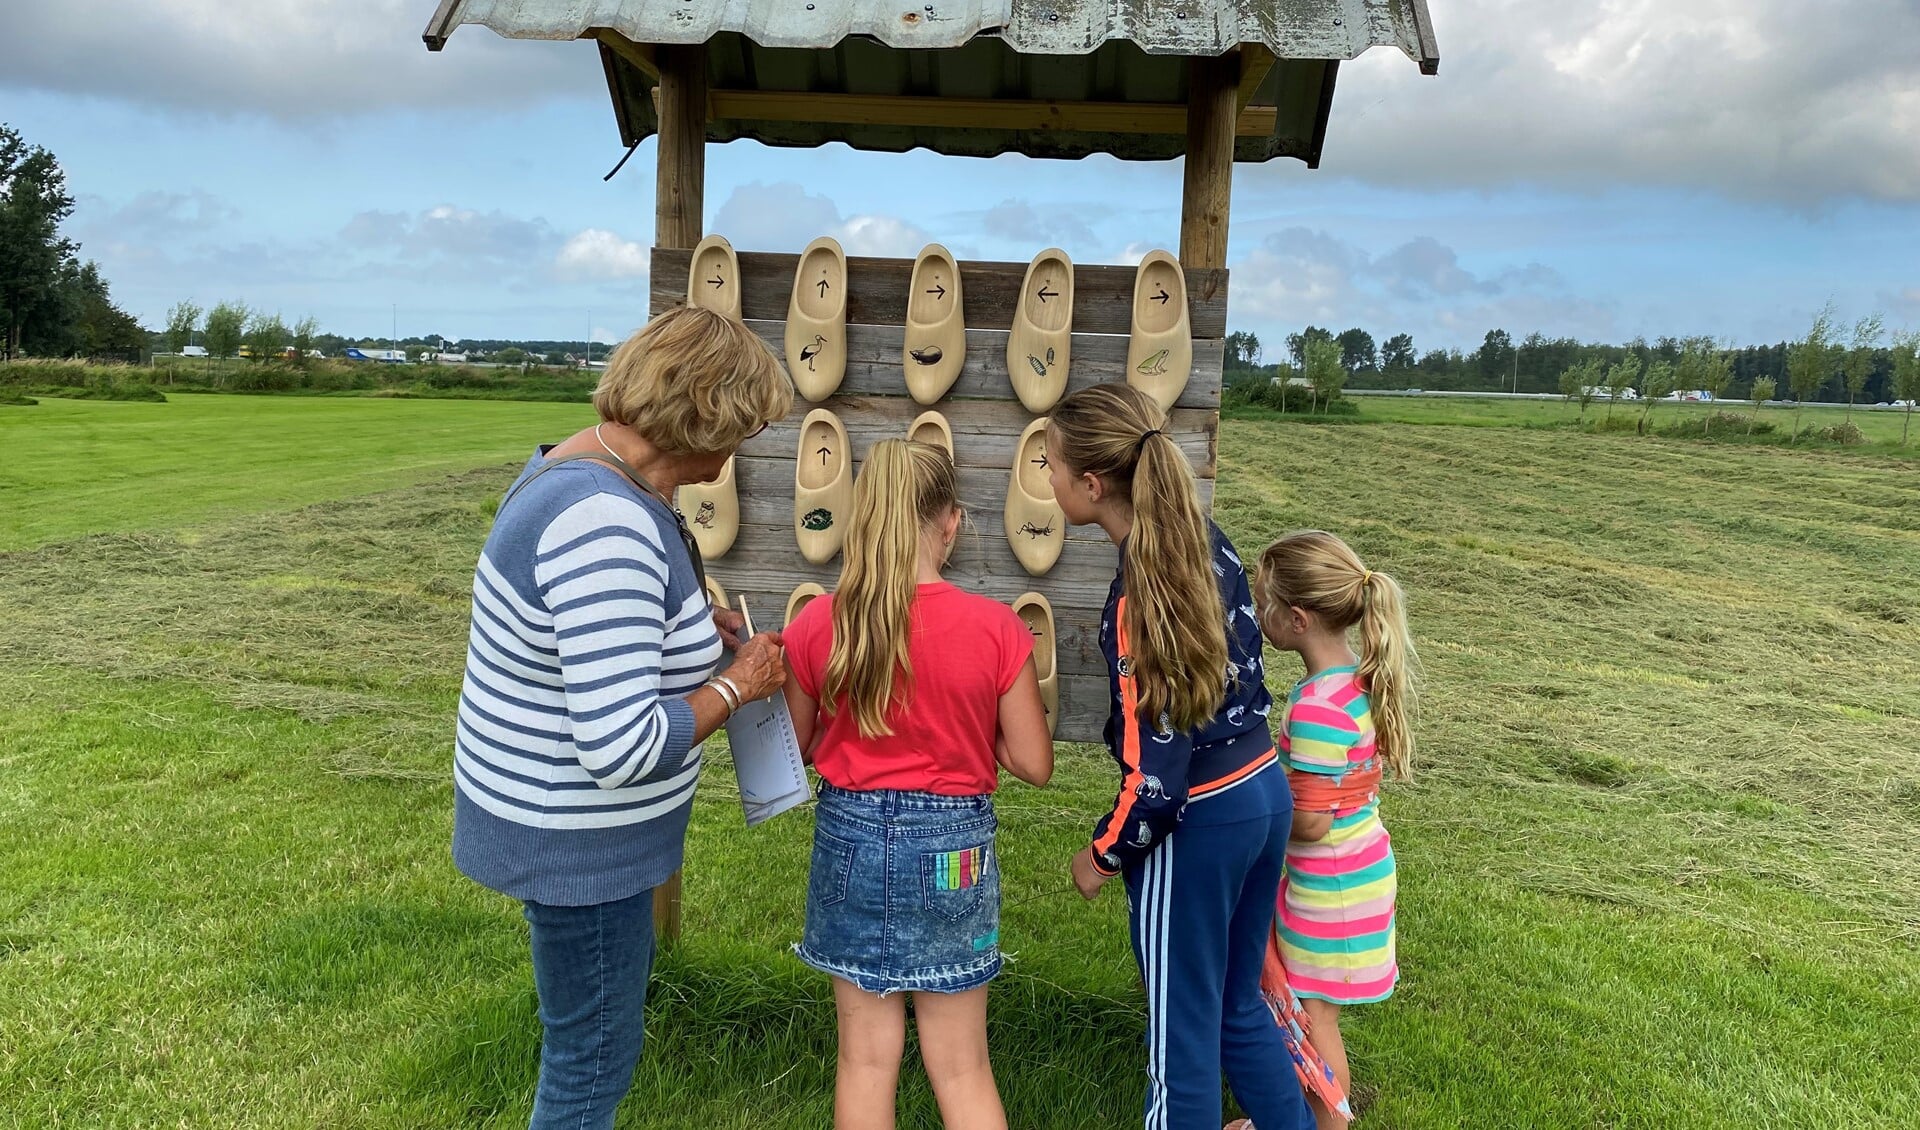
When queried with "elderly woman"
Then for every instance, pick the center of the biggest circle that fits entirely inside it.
(590, 684)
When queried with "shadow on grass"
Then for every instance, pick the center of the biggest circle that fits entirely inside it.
(740, 1036)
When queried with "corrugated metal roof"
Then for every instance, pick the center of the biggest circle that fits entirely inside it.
(1065, 51)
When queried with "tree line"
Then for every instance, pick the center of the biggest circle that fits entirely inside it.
(1861, 364)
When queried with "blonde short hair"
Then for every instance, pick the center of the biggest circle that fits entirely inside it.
(693, 381)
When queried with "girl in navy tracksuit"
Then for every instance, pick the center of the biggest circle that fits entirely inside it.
(1199, 829)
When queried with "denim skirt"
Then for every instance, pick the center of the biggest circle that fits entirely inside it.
(904, 895)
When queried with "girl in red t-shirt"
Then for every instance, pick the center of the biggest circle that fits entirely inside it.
(909, 695)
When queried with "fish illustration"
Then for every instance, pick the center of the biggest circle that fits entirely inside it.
(704, 516)
(1155, 365)
(817, 519)
(808, 353)
(930, 355)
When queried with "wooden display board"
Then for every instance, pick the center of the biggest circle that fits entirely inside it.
(765, 564)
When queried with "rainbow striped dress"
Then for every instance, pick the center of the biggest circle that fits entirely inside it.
(1336, 899)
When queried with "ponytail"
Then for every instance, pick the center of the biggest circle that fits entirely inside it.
(1386, 669)
(901, 488)
(1175, 622)
(1314, 570)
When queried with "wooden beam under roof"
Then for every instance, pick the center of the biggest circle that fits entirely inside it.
(970, 113)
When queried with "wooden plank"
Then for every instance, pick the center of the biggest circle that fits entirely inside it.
(1207, 188)
(1256, 59)
(970, 113)
(981, 563)
(640, 55)
(1078, 625)
(985, 432)
(765, 490)
(873, 364)
(877, 291)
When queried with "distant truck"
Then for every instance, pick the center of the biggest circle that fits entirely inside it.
(384, 356)
(193, 351)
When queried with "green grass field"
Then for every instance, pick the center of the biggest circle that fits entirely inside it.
(1658, 865)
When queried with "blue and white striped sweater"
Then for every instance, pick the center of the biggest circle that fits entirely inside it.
(574, 762)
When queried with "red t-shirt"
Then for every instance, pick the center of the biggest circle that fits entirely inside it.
(966, 651)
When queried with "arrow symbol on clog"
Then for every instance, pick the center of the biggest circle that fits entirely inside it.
(1046, 294)
(823, 453)
(717, 282)
(822, 284)
(1162, 297)
(938, 291)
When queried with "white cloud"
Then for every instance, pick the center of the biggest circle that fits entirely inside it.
(882, 236)
(1303, 276)
(1764, 99)
(784, 216)
(597, 253)
(295, 59)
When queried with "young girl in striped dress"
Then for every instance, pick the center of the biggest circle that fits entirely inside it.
(1349, 717)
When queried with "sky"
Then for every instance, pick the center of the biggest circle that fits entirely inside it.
(1599, 170)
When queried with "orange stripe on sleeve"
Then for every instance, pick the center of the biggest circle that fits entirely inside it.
(1129, 744)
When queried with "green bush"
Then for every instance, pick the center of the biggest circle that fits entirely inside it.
(1846, 434)
(1257, 390)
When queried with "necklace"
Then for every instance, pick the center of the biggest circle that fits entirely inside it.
(603, 443)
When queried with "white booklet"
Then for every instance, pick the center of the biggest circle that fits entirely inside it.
(766, 753)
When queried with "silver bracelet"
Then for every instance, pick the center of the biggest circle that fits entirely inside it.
(739, 698)
(729, 695)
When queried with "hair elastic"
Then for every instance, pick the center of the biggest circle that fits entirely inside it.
(1144, 437)
(1366, 575)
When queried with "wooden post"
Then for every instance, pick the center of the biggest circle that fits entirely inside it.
(1213, 85)
(680, 181)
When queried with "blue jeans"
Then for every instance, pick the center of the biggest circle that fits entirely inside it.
(590, 965)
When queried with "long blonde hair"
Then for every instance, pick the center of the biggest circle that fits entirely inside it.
(1175, 621)
(902, 488)
(1314, 570)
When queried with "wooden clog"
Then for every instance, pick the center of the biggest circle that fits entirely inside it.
(712, 511)
(1036, 612)
(931, 427)
(1160, 352)
(1036, 527)
(800, 597)
(817, 320)
(716, 593)
(936, 337)
(822, 486)
(1042, 337)
(713, 276)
